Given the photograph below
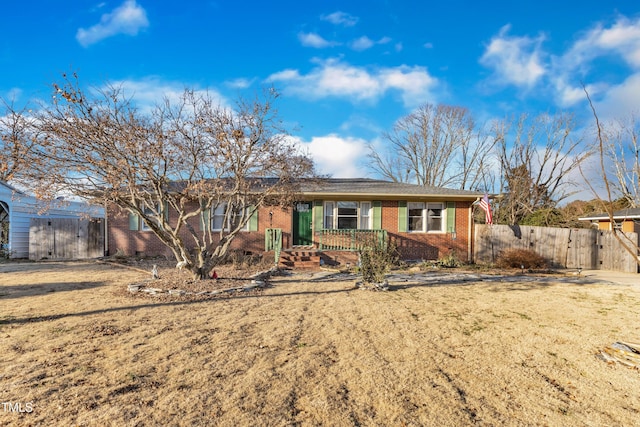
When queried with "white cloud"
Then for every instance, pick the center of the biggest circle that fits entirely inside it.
(240, 83)
(13, 94)
(337, 156)
(364, 43)
(340, 18)
(413, 82)
(620, 40)
(515, 60)
(148, 92)
(333, 78)
(568, 94)
(620, 100)
(314, 40)
(129, 18)
(358, 122)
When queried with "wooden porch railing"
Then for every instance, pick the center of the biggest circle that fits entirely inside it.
(349, 239)
(273, 241)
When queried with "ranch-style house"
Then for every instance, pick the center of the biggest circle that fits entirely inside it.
(331, 218)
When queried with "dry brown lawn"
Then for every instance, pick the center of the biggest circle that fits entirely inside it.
(76, 349)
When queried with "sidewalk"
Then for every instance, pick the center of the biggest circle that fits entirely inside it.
(613, 276)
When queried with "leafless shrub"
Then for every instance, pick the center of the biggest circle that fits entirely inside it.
(521, 258)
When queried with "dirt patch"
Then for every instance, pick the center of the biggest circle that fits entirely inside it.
(170, 283)
(313, 350)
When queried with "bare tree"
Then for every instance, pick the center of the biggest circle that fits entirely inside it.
(605, 149)
(434, 146)
(17, 141)
(190, 158)
(475, 163)
(622, 150)
(536, 158)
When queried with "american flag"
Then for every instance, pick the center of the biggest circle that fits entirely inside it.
(486, 207)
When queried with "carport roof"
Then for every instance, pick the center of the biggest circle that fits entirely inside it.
(631, 213)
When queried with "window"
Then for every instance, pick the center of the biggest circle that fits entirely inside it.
(434, 217)
(138, 223)
(218, 215)
(416, 216)
(328, 215)
(149, 212)
(345, 215)
(365, 215)
(425, 217)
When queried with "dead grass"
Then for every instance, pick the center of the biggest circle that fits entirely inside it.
(312, 352)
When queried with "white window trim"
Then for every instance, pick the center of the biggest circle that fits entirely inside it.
(424, 216)
(143, 224)
(334, 214)
(223, 208)
(328, 214)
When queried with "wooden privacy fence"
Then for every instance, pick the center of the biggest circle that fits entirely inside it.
(563, 247)
(66, 238)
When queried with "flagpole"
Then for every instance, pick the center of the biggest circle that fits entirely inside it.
(485, 205)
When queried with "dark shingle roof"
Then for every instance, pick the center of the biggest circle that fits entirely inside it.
(375, 187)
(344, 187)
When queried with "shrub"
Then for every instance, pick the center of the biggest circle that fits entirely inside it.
(376, 259)
(450, 260)
(242, 259)
(520, 258)
(5, 253)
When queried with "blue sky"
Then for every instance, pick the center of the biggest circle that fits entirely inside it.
(346, 70)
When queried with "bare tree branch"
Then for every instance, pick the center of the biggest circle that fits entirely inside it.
(536, 158)
(190, 157)
(604, 147)
(426, 143)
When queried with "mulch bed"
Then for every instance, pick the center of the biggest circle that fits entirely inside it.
(175, 284)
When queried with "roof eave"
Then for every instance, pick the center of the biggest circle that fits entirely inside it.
(600, 218)
(389, 195)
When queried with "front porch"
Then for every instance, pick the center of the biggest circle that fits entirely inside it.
(329, 246)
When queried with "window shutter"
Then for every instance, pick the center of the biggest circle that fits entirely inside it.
(166, 211)
(451, 217)
(205, 220)
(317, 215)
(134, 221)
(377, 215)
(402, 216)
(253, 221)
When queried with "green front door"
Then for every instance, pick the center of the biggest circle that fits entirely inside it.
(302, 231)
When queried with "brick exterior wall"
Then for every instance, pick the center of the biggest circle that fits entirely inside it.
(426, 246)
(429, 246)
(146, 243)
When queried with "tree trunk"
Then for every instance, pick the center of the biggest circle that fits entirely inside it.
(199, 273)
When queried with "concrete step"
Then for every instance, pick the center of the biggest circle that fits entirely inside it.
(299, 253)
(300, 264)
(299, 259)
